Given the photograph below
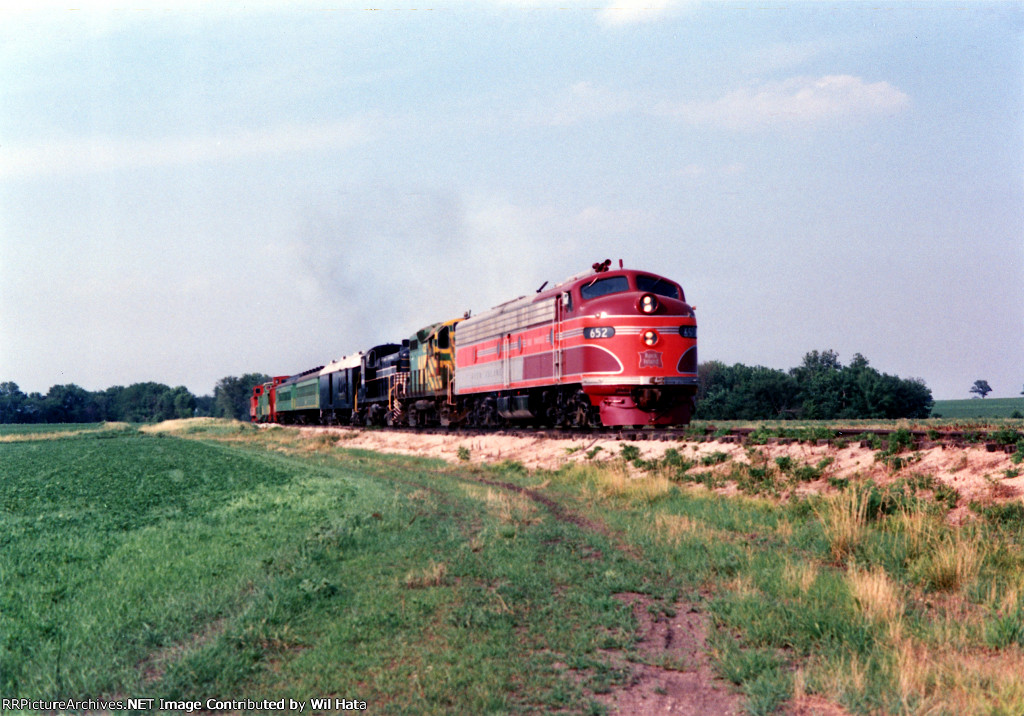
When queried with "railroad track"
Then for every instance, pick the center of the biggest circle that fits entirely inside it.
(878, 438)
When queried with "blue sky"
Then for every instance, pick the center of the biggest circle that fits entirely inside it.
(195, 190)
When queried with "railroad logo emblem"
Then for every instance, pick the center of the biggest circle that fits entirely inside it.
(650, 359)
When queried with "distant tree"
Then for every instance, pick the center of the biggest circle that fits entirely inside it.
(110, 404)
(204, 406)
(913, 398)
(820, 382)
(69, 404)
(152, 402)
(12, 403)
(175, 403)
(819, 388)
(231, 395)
(739, 392)
(981, 387)
(138, 403)
(709, 374)
(823, 361)
(32, 411)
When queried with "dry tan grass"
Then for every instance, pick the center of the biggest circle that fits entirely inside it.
(743, 586)
(879, 598)
(511, 508)
(843, 520)
(419, 495)
(43, 434)
(946, 680)
(115, 425)
(1006, 600)
(848, 676)
(784, 529)
(799, 577)
(952, 563)
(617, 481)
(918, 529)
(322, 442)
(430, 576)
(171, 426)
(670, 529)
(31, 437)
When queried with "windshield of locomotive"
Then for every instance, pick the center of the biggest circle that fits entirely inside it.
(604, 286)
(653, 284)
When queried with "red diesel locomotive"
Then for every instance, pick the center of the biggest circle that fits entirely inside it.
(608, 347)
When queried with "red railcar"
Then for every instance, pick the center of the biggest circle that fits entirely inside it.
(263, 403)
(615, 347)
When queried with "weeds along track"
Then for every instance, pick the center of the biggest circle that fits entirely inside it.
(780, 461)
(994, 440)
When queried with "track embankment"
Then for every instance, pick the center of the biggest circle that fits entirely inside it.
(978, 471)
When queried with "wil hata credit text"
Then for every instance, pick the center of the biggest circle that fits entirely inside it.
(186, 706)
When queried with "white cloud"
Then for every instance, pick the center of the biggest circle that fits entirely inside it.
(798, 101)
(779, 56)
(85, 154)
(562, 106)
(795, 101)
(587, 101)
(631, 12)
(701, 171)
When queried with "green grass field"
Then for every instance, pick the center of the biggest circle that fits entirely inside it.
(229, 562)
(979, 408)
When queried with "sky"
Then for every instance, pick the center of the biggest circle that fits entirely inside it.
(190, 191)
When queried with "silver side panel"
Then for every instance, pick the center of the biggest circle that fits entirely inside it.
(639, 380)
(511, 317)
(489, 374)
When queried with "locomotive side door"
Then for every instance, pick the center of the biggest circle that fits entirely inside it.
(506, 359)
(563, 304)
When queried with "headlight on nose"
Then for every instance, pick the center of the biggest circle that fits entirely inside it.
(650, 337)
(648, 303)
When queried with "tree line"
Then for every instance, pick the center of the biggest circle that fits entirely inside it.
(820, 388)
(136, 403)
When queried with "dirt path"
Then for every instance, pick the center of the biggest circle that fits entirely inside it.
(674, 674)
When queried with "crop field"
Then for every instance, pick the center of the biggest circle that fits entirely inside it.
(214, 560)
(979, 408)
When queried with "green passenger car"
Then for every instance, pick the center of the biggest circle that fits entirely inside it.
(306, 395)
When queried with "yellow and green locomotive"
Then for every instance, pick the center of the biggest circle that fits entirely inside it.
(429, 399)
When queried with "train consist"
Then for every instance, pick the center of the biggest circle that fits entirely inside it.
(603, 348)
